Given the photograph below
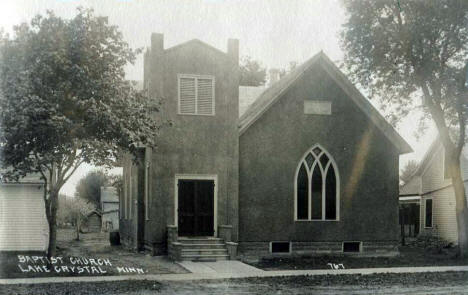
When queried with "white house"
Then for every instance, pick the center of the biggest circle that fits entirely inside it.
(432, 186)
(23, 222)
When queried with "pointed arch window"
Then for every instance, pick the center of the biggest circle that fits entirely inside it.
(317, 187)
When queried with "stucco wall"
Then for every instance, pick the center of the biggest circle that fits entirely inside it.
(127, 221)
(193, 144)
(272, 147)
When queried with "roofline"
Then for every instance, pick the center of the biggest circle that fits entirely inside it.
(110, 211)
(427, 158)
(196, 41)
(22, 183)
(377, 119)
(244, 127)
(349, 89)
(408, 195)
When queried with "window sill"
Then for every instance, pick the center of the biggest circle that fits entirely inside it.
(315, 220)
(203, 115)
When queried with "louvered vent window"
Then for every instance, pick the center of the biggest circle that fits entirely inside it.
(196, 95)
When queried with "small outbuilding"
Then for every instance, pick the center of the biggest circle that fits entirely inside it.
(23, 222)
(94, 221)
(110, 208)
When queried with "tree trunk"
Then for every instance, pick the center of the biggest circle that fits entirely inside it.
(78, 223)
(52, 219)
(460, 203)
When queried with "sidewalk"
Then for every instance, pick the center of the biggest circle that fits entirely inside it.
(229, 274)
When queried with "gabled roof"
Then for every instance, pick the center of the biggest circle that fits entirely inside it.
(271, 95)
(412, 187)
(196, 42)
(435, 145)
(31, 178)
(247, 95)
(97, 212)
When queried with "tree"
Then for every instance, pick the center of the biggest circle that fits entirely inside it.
(64, 100)
(74, 210)
(117, 182)
(63, 215)
(252, 73)
(412, 54)
(291, 67)
(408, 171)
(89, 187)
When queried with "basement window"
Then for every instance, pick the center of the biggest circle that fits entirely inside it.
(351, 247)
(280, 247)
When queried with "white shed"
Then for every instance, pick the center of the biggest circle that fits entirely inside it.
(23, 222)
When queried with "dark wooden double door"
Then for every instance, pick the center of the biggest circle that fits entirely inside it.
(196, 207)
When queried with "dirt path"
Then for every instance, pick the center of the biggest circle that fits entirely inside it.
(414, 283)
(97, 245)
(231, 289)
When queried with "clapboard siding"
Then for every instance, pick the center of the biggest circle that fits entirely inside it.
(23, 224)
(444, 223)
(434, 185)
(464, 164)
(433, 175)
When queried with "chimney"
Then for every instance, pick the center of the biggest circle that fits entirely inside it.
(156, 64)
(157, 43)
(233, 50)
(274, 76)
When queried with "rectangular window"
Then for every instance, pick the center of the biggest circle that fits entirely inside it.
(196, 95)
(317, 107)
(351, 247)
(280, 247)
(428, 215)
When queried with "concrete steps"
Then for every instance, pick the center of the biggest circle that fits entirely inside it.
(204, 246)
(202, 249)
(205, 258)
(200, 240)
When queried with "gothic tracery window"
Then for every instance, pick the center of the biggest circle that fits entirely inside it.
(317, 187)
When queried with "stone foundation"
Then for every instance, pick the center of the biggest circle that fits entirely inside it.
(368, 249)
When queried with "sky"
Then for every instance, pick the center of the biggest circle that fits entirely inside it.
(274, 32)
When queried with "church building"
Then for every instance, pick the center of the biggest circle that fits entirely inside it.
(310, 166)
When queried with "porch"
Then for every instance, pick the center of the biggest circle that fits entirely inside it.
(201, 248)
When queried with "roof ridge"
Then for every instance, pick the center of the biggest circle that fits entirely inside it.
(195, 40)
(273, 93)
(275, 87)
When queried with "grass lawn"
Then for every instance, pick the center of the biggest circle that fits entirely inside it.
(92, 255)
(409, 256)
